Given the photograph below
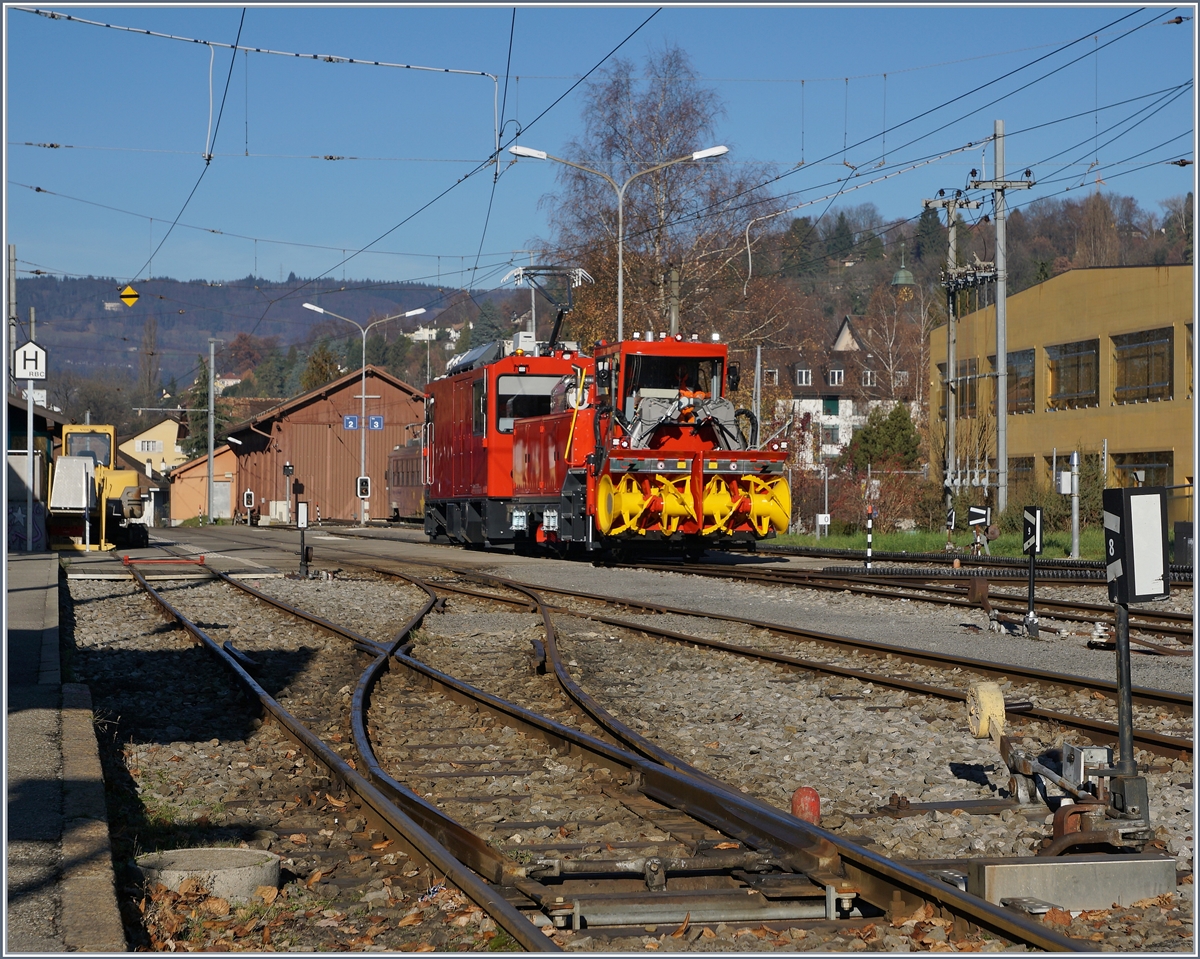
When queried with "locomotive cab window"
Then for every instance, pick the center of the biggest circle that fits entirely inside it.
(479, 406)
(523, 395)
(96, 445)
(565, 395)
(666, 377)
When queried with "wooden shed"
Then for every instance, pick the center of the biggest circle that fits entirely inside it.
(320, 436)
(189, 487)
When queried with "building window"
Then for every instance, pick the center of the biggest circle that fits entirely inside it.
(967, 388)
(870, 378)
(804, 377)
(900, 378)
(1156, 466)
(1074, 375)
(836, 377)
(770, 377)
(150, 446)
(1020, 381)
(829, 405)
(829, 436)
(941, 367)
(1143, 365)
(1020, 469)
(1190, 359)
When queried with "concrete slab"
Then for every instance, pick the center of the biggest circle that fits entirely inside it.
(1073, 882)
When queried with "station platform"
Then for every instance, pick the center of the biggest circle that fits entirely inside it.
(61, 885)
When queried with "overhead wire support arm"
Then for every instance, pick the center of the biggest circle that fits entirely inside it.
(999, 185)
(952, 204)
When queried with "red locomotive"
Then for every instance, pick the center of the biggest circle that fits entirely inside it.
(635, 445)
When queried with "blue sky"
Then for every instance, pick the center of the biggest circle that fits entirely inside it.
(818, 84)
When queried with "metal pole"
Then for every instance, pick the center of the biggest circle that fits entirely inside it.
(362, 431)
(870, 521)
(532, 304)
(212, 385)
(1031, 621)
(757, 381)
(12, 312)
(1001, 331)
(29, 467)
(951, 379)
(675, 302)
(1075, 505)
(825, 470)
(1126, 765)
(621, 261)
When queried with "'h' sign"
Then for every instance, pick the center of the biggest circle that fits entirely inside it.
(30, 362)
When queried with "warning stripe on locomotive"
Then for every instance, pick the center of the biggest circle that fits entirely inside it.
(673, 465)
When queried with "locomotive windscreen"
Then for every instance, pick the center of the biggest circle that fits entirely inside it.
(518, 396)
(658, 375)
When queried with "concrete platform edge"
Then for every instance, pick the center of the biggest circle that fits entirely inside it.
(91, 919)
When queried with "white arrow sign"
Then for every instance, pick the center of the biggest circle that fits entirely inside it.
(30, 362)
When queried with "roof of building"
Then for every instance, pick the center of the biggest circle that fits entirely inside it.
(281, 409)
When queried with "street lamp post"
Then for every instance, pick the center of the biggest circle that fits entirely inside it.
(362, 419)
(521, 151)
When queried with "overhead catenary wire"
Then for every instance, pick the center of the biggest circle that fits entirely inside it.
(207, 158)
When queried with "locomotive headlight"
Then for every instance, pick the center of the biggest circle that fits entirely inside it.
(625, 444)
(774, 446)
(783, 445)
(716, 337)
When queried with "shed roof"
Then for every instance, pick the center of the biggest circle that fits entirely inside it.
(333, 386)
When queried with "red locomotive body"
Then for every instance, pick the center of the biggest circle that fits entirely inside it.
(657, 454)
(638, 445)
(469, 424)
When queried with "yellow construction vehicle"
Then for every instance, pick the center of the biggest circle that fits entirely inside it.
(92, 502)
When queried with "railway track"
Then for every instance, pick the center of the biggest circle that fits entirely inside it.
(417, 767)
(1092, 569)
(921, 587)
(1033, 694)
(750, 855)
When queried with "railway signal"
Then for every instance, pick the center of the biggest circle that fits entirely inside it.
(363, 485)
(978, 516)
(1135, 554)
(1031, 538)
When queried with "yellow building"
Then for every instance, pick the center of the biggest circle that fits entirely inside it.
(159, 445)
(1098, 360)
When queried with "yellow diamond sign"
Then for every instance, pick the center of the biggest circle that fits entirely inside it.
(129, 296)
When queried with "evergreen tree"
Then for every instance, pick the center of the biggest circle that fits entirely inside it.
(195, 401)
(929, 241)
(397, 354)
(490, 325)
(803, 253)
(322, 367)
(888, 440)
(840, 241)
(870, 246)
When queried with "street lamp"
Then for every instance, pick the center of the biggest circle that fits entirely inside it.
(521, 151)
(362, 419)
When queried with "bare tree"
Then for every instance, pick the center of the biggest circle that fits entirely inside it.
(689, 215)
